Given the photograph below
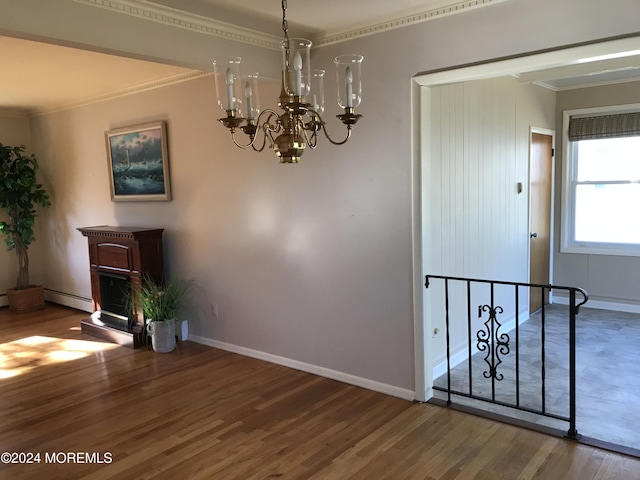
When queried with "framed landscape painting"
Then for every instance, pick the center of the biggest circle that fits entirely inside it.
(139, 163)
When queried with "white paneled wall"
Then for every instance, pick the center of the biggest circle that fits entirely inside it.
(473, 182)
(477, 222)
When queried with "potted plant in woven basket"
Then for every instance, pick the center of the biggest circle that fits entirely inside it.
(161, 303)
(20, 193)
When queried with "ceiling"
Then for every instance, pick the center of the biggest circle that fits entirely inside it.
(40, 76)
(75, 77)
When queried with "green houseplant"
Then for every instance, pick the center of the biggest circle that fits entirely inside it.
(20, 193)
(161, 303)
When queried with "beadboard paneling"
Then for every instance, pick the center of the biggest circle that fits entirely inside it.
(477, 222)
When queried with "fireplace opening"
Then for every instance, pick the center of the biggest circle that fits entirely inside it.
(114, 290)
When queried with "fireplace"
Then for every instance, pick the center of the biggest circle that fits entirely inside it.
(119, 257)
(114, 291)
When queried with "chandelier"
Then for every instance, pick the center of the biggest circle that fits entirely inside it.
(301, 98)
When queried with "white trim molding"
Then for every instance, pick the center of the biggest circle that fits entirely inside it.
(154, 12)
(309, 368)
(451, 9)
(615, 306)
(568, 244)
(68, 300)
(143, 87)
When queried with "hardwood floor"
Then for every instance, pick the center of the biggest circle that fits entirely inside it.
(202, 413)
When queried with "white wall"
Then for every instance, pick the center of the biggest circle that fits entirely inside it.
(607, 278)
(14, 131)
(311, 262)
(290, 253)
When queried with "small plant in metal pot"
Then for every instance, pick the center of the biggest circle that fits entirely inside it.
(161, 303)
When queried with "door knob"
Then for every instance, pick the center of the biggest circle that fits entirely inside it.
(533, 235)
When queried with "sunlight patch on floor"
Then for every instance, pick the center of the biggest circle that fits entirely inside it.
(26, 354)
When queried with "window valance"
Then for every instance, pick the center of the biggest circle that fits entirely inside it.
(604, 126)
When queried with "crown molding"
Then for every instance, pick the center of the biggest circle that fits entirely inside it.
(147, 10)
(189, 21)
(406, 21)
(143, 87)
(150, 11)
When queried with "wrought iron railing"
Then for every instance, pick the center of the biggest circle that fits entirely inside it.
(496, 344)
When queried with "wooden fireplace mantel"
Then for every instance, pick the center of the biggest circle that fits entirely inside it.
(128, 252)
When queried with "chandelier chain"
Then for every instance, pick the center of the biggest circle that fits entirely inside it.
(285, 24)
(285, 29)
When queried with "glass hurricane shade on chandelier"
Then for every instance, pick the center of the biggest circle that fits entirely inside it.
(301, 99)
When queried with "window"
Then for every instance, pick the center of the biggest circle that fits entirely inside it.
(602, 184)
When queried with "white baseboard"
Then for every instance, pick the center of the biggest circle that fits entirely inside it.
(456, 359)
(68, 300)
(601, 304)
(309, 368)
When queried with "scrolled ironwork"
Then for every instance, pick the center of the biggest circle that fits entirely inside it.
(574, 294)
(496, 344)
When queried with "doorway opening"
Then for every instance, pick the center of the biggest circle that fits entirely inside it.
(429, 249)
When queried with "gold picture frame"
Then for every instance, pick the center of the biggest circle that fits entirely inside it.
(139, 163)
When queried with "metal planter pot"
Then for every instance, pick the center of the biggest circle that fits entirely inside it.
(163, 335)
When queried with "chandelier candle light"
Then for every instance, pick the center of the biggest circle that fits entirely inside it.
(301, 99)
